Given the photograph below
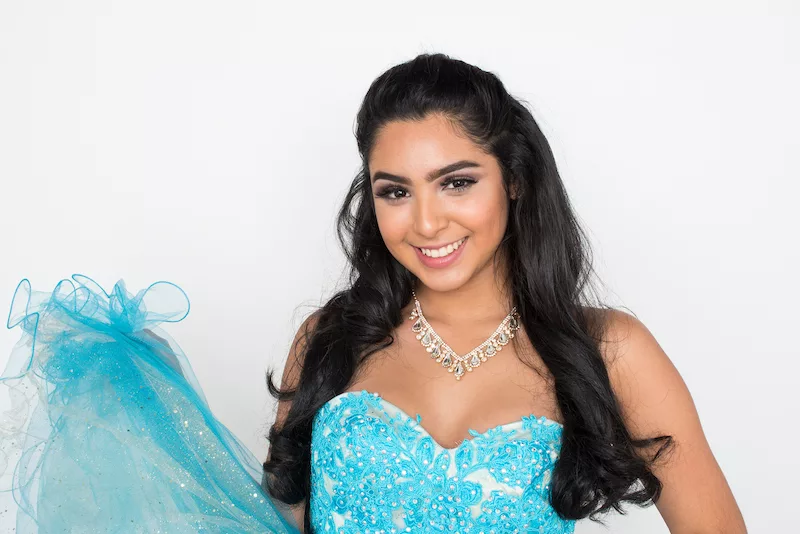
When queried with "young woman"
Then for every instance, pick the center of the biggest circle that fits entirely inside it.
(466, 381)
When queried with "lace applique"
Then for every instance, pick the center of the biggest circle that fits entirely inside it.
(375, 469)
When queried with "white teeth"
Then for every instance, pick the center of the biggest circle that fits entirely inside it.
(444, 251)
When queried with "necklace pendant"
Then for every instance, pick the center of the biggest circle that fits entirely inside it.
(475, 361)
(446, 362)
(426, 339)
(458, 371)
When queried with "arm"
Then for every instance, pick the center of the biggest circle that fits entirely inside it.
(696, 498)
(290, 379)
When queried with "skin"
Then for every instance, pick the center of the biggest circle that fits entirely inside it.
(465, 302)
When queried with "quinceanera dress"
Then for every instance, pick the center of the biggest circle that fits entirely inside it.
(110, 432)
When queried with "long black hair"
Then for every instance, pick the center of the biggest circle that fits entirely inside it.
(550, 266)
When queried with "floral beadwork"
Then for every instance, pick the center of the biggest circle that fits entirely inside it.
(374, 469)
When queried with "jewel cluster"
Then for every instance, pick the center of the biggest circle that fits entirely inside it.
(442, 353)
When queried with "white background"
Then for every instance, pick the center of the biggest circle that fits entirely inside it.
(210, 144)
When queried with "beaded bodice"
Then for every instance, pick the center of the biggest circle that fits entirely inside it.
(375, 469)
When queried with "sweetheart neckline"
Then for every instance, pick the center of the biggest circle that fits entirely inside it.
(541, 419)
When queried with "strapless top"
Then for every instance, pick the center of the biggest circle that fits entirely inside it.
(375, 469)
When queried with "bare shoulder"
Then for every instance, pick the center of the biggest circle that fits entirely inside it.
(293, 367)
(655, 401)
(647, 384)
(294, 360)
(626, 337)
(289, 381)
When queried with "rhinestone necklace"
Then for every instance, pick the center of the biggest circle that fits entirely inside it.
(441, 351)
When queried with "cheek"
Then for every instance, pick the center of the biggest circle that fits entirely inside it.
(391, 223)
(484, 216)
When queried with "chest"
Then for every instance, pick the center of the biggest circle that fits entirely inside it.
(512, 384)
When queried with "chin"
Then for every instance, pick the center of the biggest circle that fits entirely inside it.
(443, 282)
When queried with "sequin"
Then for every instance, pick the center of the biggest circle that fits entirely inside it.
(375, 469)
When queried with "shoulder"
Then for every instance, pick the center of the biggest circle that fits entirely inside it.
(651, 392)
(623, 336)
(655, 401)
(294, 360)
(627, 343)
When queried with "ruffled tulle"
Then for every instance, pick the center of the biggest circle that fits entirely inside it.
(109, 430)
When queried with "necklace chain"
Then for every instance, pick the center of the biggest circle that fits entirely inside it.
(441, 351)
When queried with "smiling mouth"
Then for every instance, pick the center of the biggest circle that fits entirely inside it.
(444, 251)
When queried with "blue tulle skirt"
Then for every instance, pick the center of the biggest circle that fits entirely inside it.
(109, 430)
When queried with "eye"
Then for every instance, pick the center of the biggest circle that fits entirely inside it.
(460, 183)
(388, 193)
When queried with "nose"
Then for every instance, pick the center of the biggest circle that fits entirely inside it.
(429, 216)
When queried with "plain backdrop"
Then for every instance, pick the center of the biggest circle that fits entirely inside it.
(211, 143)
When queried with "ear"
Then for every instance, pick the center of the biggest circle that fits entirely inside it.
(513, 191)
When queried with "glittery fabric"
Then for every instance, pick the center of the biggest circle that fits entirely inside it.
(109, 429)
(374, 469)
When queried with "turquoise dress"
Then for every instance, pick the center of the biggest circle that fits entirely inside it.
(374, 469)
(109, 431)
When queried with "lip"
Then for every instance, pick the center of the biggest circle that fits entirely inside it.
(438, 263)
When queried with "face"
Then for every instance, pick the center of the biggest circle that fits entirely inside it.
(439, 201)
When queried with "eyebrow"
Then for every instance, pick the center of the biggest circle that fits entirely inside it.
(433, 175)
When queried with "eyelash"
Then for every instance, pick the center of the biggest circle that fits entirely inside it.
(384, 193)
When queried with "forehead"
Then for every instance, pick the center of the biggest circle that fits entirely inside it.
(417, 146)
